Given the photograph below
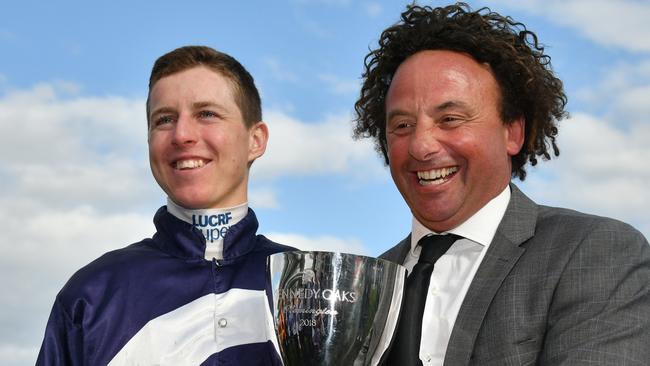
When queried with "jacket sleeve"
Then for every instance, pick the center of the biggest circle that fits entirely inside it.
(63, 341)
(600, 312)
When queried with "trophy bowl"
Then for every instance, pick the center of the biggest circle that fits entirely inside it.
(334, 308)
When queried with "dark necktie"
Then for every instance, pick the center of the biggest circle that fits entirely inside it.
(406, 342)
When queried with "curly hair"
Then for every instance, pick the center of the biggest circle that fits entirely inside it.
(523, 72)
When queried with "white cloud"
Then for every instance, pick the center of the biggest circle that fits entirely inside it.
(263, 198)
(603, 161)
(340, 86)
(278, 71)
(73, 175)
(6, 35)
(309, 24)
(46, 122)
(320, 243)
(17, 355)
(68, 238)
(622, 95)
(603, 167)
(64, 150)
(111, 183)
(373, 9)
(41, 249)
(622, 23)
(326, 147)
(633, 102)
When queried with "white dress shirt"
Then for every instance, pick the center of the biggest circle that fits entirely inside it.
(453, 273)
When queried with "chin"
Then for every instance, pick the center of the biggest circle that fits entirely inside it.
(435, 216)
(189, 202)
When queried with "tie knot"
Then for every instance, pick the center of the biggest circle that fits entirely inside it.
(434, 246)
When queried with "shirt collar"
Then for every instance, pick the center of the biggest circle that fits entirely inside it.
(213, 223)
(479, 228)
(182, 240)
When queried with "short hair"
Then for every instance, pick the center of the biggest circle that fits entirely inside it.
(245, 93)
(528, 86)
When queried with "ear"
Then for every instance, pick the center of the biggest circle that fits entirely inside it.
(515, 133)
(258, 136)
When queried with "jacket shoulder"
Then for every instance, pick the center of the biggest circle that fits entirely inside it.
(268, 246)
(571, 224)
(110, 267)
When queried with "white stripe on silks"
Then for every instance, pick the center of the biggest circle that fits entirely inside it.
(190, 334)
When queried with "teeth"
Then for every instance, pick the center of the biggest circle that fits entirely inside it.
(189, 164)
(435, 176)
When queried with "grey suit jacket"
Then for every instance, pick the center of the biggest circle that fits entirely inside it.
(556, 287)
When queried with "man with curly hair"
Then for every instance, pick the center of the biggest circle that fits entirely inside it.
(458, 102)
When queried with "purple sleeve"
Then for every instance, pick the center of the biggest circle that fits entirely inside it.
(63, 341)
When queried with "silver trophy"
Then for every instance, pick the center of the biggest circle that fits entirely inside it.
(333, 308)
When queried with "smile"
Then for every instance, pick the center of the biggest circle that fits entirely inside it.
(189, 164)
(436, 176)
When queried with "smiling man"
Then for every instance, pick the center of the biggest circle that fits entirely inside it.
(459, 102)
(196, 292)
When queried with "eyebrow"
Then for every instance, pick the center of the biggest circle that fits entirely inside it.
(395, 112)
(203, 104)
(195, 105)
(451, 105)
(439, 108)
(162, 110)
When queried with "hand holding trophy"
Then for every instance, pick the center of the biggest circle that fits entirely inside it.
(334, 308)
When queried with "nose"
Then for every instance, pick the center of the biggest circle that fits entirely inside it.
(425, 140)
(185, 132)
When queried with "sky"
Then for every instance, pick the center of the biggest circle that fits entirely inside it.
(74, 174)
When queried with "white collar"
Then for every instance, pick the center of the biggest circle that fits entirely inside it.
(479, 228)
(213, 223)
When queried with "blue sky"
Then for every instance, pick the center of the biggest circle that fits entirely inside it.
(74, 175)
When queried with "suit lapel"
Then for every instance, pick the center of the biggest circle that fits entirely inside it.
(517, 225)
(398, 253)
